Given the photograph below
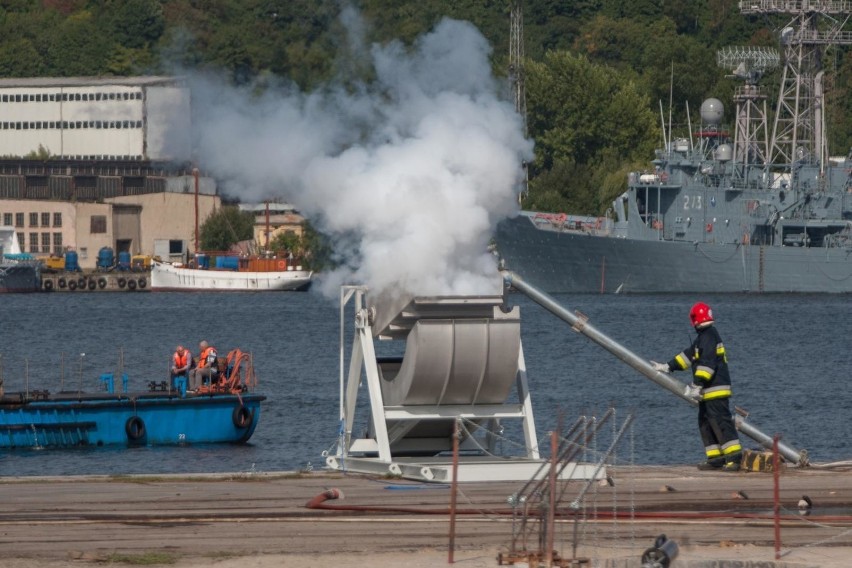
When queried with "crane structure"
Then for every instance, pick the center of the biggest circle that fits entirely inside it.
(798, 134)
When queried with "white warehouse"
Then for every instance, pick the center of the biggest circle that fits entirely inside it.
(96, 118)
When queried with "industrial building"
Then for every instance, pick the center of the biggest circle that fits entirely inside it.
(96, 118)
(100, 162)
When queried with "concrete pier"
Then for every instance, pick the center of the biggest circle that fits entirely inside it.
(261, 519)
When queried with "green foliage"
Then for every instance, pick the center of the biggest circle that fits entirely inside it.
(597, 70)
(41, 154)
(587, 120)
(225, 227)
(312, 247)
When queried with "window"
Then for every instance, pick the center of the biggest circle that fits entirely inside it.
(34, 242)
(97, 96)
(57, 219)
(7, 219)
(52, 97)
(98, 224)
(52, 125)
(64, 97)
(26, 98)
(85, 97)
(98, 124)
(45, 219)
(112, 96)
(19, 220)
(21, 239)
(84, 253)
(17, 98)
(76, 96)
(38, 98)
(33, 219)
(5, 98)
(57, 244)
(45, 243)
(138, 124)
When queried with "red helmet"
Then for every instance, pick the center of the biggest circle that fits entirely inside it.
(700, 314)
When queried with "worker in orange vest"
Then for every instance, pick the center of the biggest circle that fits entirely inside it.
(182, 362)
(207, 369)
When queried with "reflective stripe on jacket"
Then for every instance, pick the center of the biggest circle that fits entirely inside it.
(709, 362)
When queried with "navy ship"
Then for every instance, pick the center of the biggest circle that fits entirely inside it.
(750, 209)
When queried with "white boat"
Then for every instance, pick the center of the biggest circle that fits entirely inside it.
(172, 277)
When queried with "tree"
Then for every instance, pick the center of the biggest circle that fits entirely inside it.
(588, 121)
(312, 248)
(225, 227)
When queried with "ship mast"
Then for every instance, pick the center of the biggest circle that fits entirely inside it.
(798, 134)
(751, 136)
(516, 75)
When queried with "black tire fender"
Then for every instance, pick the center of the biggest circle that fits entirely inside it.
(102, 282)
(81, 282)
(135, 429)
(242, 417)
(48, 285)
(142, 283)
(72, 285)
(131, 284)
(122, 282)
(62, 283)
(92, 284)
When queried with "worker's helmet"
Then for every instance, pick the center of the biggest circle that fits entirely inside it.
(700, 315)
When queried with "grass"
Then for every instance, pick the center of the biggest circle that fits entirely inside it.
(143, 559)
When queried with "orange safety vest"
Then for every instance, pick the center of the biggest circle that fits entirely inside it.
(202, 359)
(182, 360)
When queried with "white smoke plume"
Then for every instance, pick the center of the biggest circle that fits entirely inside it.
(409, 174)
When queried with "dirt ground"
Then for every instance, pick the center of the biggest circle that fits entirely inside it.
(264, 521)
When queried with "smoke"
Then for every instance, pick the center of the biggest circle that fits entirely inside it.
(409, 174)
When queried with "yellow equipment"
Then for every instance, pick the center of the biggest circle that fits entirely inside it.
(140, 262)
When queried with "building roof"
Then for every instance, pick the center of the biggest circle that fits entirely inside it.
(137, 81)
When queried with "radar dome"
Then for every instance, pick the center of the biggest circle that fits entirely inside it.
(712, 111)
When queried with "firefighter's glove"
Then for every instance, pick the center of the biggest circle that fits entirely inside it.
(661, 367)
(693, 392)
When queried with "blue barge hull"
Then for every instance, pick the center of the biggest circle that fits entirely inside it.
(155, 418)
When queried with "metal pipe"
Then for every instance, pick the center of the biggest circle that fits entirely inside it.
(580, 324)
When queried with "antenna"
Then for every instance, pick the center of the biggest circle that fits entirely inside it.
(799, 129)
(751, 137)
(516, 75)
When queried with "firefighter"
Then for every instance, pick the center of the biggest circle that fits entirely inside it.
(711, 387)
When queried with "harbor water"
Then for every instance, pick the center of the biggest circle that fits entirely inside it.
(789, 359)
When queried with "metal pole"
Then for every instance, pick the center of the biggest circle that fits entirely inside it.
(776, 496)
(195, 176)
(551, 505)
(580, 324)
(452, 546)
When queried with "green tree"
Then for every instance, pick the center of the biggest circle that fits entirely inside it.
(588, 121)
(225, 227)
(311, 248)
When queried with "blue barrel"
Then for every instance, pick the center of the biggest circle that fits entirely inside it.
(105, 258)
(228, 262)
(124, 260)
(71, 264)
(203, 261)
